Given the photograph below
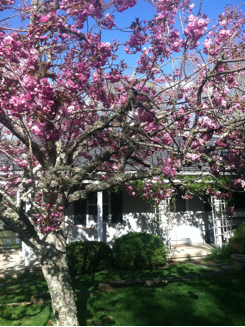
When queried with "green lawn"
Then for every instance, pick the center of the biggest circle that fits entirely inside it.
(216, 301)
(213, 301)
(26, 315)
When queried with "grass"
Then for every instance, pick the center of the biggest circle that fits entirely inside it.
(137, 305)
(90, 282)
(21, 290)
(217, 301)
(26, 315)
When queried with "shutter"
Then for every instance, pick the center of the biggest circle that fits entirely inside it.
(207, 206)
(105, 205)
(239, 200)
(80, 208)
(180, 204)
(116, 207)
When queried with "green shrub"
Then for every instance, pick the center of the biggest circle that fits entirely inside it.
(238, 241)
(88, 256)
(139, 251)
(240, 231)
(220, 253)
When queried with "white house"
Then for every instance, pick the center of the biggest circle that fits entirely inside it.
(107, 216)
(115, 214)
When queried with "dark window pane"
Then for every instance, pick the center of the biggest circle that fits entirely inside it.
(239, 200)
(116, 207)
(116, 217)
(207, 206)
(116, 203)
(80, 207)
(92, 217)
(92, 210)
(105, 212)
(105, 197)
(180, 204)
(92, 199)
(80, 220)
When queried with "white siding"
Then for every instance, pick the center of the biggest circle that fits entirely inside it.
(190, 226)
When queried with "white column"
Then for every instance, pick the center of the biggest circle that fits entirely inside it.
(26, 251)
(100, 216)
(23, 244)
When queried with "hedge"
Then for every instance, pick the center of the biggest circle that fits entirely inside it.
(139, 251)
(88, 256)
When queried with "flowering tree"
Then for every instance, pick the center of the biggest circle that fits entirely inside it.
(71, 111)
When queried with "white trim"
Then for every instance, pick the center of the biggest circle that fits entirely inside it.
(100, 215)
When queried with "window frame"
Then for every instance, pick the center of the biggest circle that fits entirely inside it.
(90, 221)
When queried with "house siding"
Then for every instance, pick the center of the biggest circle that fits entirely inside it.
(138, 216)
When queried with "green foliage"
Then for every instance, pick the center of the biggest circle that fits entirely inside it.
(238, 241)
(240, 231)
(88, 256)
(198, 185)
(156, 187)
(116, 189)
(139, 251)
(220, 253)
(188, 185)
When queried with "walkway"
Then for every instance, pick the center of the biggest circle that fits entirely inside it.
(12, 265)
(190, 251)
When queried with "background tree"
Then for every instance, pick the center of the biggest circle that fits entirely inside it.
(71, 112)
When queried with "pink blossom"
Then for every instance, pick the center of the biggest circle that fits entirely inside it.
(44, 19)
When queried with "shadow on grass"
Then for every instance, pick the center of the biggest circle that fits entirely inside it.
(21, 290)
(90, 282)
(215, 301)
(173, 304)
(26, 315)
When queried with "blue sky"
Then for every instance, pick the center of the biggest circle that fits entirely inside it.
(143, 10)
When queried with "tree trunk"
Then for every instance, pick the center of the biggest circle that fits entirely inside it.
(57, 275)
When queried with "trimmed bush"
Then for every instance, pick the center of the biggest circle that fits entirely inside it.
(139, 251)
(88, 256)
(238, 241)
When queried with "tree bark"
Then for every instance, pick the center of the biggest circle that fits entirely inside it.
(57, 275)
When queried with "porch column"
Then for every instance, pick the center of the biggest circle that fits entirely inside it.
(26, 254)
(26, 251)
(100, 216)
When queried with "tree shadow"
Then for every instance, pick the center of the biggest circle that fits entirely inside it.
(27, 314)
(203, 302)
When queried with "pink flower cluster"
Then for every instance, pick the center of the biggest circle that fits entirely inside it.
(136, 40)
(187, 197)
(122, 5)
(108, 21)
(81, 11)
(4, 4)
(169, 167)
(192, 156)
(195, 29)
(50, 221)
(41, 130)
(207, 122)
(145, 116)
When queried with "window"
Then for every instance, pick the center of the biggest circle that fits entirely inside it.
(116, 207)
(80, 212)
(207, 206)
(92, 206)
(180, 204)
(239, 200)
(86, 210)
